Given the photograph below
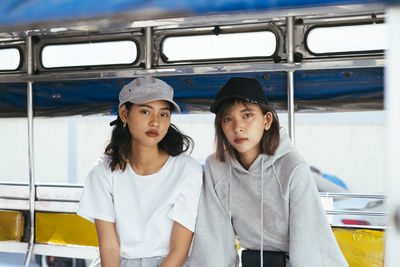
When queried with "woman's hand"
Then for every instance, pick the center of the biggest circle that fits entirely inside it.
(181, 238)
(108, 243)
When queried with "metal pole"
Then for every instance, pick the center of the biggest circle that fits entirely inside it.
(290, 77)
(392, 106)
(29, 60)
(149, 47)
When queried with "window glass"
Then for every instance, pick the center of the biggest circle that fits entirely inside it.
(14, 150)
(66, 155)
(89, 54)
(10, 59)
(347, 38)
(231, 45)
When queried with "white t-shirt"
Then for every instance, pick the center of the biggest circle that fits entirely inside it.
(143, 208)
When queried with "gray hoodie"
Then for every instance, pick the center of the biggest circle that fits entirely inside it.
(293, 219)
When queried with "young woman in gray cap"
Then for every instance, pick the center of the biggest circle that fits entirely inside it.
(257, 189)
(143, 193)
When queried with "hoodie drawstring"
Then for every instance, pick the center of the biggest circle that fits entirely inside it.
(262, 213)
(230, 206)
(261, 210)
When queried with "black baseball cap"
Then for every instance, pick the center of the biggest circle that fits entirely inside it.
(248, 89)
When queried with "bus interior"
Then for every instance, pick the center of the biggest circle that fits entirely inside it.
(67, 61)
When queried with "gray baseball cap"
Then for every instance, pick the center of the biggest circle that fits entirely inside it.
(146, 89)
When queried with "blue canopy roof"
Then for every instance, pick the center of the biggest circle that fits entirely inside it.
(16, 12)
(357, 89)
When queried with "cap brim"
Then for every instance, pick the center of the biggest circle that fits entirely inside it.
(215, 106)
(177, 109)
(143, 101)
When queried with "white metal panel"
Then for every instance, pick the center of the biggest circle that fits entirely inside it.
(14, 204)
(56, 206)
(80, 252)
(392, 103)
(14, 191)
(58, 193)
(13, 246)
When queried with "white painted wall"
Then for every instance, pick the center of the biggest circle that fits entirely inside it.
(349, 145)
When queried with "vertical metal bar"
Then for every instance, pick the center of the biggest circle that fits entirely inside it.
(290, 77)
(392, 106)
(291, 114)
(29, 60)
(290, 39)
(149, 47)
(72, 151)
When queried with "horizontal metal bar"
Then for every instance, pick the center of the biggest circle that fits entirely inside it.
(58, 193)
(57, 206)
(14, 204)
(70, 251)
(356, 226)
(13, 246)
(356, 212)
(14, 191)
(195, 70)
(353, 195)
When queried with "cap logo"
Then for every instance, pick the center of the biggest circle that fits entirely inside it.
(251, 101)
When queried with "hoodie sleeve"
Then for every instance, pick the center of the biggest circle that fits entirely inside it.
(312, 242)
(214, 241)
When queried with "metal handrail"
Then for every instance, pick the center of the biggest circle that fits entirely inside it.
(353, 195)
(29, 59)
(356, 212)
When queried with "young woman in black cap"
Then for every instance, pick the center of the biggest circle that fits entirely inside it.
(143, 193)
(258, 190)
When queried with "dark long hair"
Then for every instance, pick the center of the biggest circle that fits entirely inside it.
(119, 147)
(269, 141)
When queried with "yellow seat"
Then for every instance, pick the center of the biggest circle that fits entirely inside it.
(11, 225)
(64, 229)
(361, 247)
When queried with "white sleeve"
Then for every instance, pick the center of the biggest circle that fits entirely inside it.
(97, 199)
(184, 210)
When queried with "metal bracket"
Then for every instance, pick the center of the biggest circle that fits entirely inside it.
(396, 218)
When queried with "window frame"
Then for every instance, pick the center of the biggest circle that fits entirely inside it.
(135, 38)
(342, 53)
(218, 31)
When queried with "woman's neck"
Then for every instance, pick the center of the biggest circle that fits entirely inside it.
(147, 160)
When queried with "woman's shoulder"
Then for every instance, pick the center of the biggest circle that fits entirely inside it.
(100, 173)
(215, 170)
(213, 163)
(185, 160)
(212, 160)
(185, 170)
(101, 165)
(292, 159)
(291, 166)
